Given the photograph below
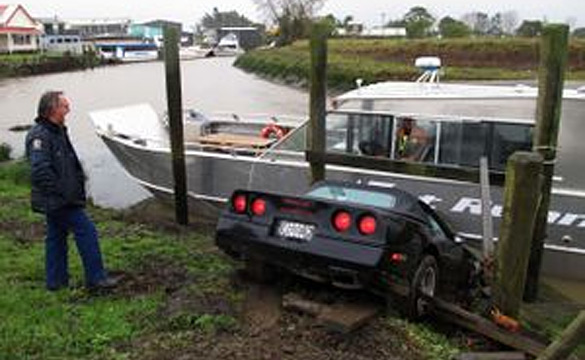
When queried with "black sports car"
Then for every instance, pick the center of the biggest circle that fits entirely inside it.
(353, 236)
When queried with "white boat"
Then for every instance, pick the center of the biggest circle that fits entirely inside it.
(128, 51)
(461, 123)
(228, 45)
(195, 52)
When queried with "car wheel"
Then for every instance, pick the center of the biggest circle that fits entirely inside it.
(424, 284)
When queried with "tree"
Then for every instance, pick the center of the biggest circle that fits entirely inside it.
(451, 28)
(418, 22)
(224, 19)
(509, 22)
(530, 28)
(479, 22)
(293, 17)
(579, 32)
(495, 28)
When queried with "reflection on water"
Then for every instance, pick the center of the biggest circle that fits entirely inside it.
(210, 85)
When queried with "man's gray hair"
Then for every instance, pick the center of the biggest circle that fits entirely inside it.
(48, 102)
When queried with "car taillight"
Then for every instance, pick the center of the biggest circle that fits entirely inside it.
(367, 225)
(239, 203)
(258, 207)
(341, 221)
(397, 257)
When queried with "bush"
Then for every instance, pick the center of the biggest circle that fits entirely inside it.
(5, 151)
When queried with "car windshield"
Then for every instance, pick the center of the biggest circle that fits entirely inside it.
(353, 195)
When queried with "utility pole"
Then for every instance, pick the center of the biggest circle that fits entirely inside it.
(553, 60)
(175, 111)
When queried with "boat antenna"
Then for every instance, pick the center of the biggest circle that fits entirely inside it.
(430, 66)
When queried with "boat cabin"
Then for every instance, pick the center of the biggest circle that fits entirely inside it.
(429, 139)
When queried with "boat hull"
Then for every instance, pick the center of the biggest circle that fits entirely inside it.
(212, 177)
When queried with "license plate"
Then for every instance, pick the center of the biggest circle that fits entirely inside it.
(295, 230)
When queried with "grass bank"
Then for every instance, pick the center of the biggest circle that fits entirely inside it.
(391, 59)
(34, 64)
(179, 297)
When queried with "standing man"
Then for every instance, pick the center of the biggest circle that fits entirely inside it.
(58, 191)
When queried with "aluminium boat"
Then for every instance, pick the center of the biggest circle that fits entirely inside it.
(456, 124)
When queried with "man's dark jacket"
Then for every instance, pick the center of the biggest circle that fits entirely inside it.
(57, 177)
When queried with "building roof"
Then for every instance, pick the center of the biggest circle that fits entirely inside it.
(8, 12)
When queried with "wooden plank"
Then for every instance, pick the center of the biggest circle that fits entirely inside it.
(572, 336)
(235, 140)
(342, 317)
(347, 317)
(474, 322)
(296, 302)
(492, 356)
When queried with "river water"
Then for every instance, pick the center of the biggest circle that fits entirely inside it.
(209, 85)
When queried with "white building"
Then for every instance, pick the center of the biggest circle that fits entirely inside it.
(19, 32)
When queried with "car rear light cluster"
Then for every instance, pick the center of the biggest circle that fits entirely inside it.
(240, 205)
(342, 222)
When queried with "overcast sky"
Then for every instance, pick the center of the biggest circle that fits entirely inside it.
(368, 11)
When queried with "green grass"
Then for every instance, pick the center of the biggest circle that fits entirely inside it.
(380, 60)
(72, 323)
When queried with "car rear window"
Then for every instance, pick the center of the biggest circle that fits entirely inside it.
(356, 196)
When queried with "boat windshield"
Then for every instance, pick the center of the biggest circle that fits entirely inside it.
(441, 141)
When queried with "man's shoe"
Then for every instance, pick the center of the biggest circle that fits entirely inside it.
(106, 284)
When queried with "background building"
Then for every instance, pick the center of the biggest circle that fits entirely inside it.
(19, 32)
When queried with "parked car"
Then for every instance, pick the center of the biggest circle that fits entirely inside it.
(353, 236)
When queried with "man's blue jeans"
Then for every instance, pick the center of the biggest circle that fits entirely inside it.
(59, 223)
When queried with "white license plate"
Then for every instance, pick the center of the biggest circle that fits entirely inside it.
(295, 230)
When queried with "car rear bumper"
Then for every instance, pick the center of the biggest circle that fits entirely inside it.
(342, 263)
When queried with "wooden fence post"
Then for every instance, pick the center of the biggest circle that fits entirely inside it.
(521, 200)
(571, 337)
(316, 133)
(175, 112)
(553, 60)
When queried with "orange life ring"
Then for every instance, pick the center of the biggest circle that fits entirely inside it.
(272, 131)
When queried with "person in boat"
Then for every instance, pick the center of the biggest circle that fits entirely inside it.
(412, 141)
(58, 191)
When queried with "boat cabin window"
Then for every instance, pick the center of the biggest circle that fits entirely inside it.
(458, 142)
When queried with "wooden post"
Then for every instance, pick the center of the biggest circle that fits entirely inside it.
(521, 198)
(553, 59)
(316, 133)
(486, 213)
(175, 111)
(571, 337)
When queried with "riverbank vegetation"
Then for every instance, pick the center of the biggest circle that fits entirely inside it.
(12, 65)
(393, 59)
(179, 297)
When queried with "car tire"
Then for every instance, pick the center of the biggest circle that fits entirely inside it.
(425, 283)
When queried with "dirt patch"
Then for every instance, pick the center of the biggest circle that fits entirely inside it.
(23, 233)
(153, 274)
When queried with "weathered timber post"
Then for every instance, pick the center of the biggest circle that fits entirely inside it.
(175, 111)
(553, 59)
(316, 133)
(521, 198)
(571, 337)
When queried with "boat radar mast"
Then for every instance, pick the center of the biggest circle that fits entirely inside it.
(430, 65)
